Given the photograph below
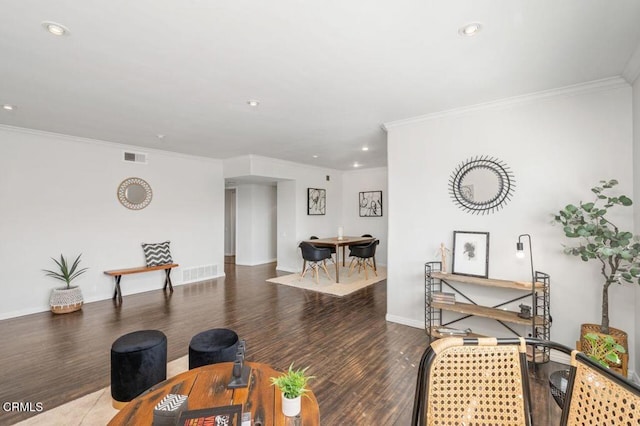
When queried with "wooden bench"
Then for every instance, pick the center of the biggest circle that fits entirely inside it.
(118, 273)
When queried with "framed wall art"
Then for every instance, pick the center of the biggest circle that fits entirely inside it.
(370, 204)
(316, 201)
(471, 254)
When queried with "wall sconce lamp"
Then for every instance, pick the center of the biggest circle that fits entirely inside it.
(520, 252)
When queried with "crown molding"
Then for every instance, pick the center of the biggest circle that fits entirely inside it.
(80, 139)
(576, 89)
(288, 163)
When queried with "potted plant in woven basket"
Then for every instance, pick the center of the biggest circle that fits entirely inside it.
(69, 298)
(293, 385)
(603, 349)
(616, 251)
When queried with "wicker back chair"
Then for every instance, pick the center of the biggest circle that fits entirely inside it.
(599, 395)
(486, 381)
(473, 381)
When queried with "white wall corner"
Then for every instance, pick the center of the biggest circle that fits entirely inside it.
(287, 269)
(632, 69)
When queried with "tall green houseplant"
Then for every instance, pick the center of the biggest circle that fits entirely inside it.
(617, 251)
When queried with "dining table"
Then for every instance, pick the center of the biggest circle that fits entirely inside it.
(207, 387)
(338, 242)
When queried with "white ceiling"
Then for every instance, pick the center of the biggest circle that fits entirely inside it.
(328, 73)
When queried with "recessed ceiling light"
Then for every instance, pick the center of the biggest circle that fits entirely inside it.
(315, 156)
(8, 107)
(356, 164)
(365, 148)
(253, 102)
(470, 29)
(160, 136)
(55, 28)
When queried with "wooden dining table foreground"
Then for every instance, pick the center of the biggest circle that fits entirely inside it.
(337, 243)
(206, 387)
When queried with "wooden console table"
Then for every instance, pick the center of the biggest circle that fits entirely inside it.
(206, 387)
(539, 322)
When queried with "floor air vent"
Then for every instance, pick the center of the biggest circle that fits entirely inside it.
(199, 273)
(135, 157)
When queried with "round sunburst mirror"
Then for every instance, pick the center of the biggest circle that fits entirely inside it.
(481, 185)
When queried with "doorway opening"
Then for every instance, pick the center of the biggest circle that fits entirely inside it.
(230, 225)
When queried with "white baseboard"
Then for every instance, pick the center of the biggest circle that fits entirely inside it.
(23, 312)
(404, 321)
(259, 262)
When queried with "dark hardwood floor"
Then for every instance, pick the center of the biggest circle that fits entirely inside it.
(366, 367)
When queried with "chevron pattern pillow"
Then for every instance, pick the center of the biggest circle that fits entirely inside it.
(157, 253)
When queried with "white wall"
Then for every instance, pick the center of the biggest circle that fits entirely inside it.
(230, 222)
(293, 223)
(287, 239)
(307, 225)
(354, 182)
(59, 196)
(558, 147)
(256, 224)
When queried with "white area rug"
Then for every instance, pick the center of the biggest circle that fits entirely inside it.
(94, 409)
(346, 285)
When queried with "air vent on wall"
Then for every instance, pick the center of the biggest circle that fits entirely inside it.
(135, 157)
(199, 273)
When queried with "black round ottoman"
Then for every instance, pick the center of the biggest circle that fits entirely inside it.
(138, 361)
(213, 346)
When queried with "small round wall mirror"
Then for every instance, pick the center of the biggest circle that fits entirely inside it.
(481, 185)
(134, 193)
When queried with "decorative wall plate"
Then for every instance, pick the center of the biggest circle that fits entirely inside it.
(134, 193)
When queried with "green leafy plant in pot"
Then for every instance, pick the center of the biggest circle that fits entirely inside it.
(69, 298)
(617, 251)
(293, 385)
(603, 349)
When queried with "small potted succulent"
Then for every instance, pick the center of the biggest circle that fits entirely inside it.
(69, 298)
(604, 350)
(292, 384)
